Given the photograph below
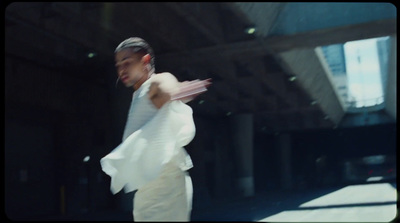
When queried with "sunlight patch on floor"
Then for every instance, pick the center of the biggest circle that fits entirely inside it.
(356, 203)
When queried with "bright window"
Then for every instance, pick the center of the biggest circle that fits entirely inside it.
(366, 64)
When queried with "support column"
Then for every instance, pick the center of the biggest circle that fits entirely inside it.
(390, 91)
(242, 135)
(284, 153)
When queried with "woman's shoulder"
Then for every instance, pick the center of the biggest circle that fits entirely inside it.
(164, 76)
(167, 81)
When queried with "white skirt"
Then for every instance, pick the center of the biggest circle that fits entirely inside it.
(167, 198)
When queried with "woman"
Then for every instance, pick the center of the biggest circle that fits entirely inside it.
(151, 157)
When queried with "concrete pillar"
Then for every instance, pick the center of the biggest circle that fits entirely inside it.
(242, 136)
(220, 165)
(284, 152)
(223, 161)
(390, 94)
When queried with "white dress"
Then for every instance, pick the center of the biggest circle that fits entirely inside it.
(152, 160)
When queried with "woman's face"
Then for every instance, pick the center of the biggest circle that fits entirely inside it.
(130, 67)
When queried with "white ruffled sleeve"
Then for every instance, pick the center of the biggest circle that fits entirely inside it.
(141, 157)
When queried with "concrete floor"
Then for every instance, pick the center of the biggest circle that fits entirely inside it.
(356, 203)
(374, 202)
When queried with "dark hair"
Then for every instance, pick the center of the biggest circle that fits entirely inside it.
(138, 45)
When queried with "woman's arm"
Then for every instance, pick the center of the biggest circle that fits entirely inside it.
(165, 87)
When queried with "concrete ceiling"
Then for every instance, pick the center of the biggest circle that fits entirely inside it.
(192, 40)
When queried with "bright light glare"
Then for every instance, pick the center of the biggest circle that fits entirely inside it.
(86, 159)
(251, 30)
(372, 179)
(91, 55)
(363, 72)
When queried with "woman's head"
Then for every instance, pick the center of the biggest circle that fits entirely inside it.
(134, 60)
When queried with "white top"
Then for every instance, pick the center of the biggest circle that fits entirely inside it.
(140, 111)
(152, 138)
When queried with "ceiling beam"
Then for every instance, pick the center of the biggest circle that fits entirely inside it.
(271, 80)
(262, 15)
(274, 44)
(66, 26)
(330, 36)
(204, 23)
(45, 42)
(103, 27)
(305, 64)
(157, 20)
(231, 6)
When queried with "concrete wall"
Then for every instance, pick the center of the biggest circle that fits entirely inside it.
(31, 185)
(53, 121)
